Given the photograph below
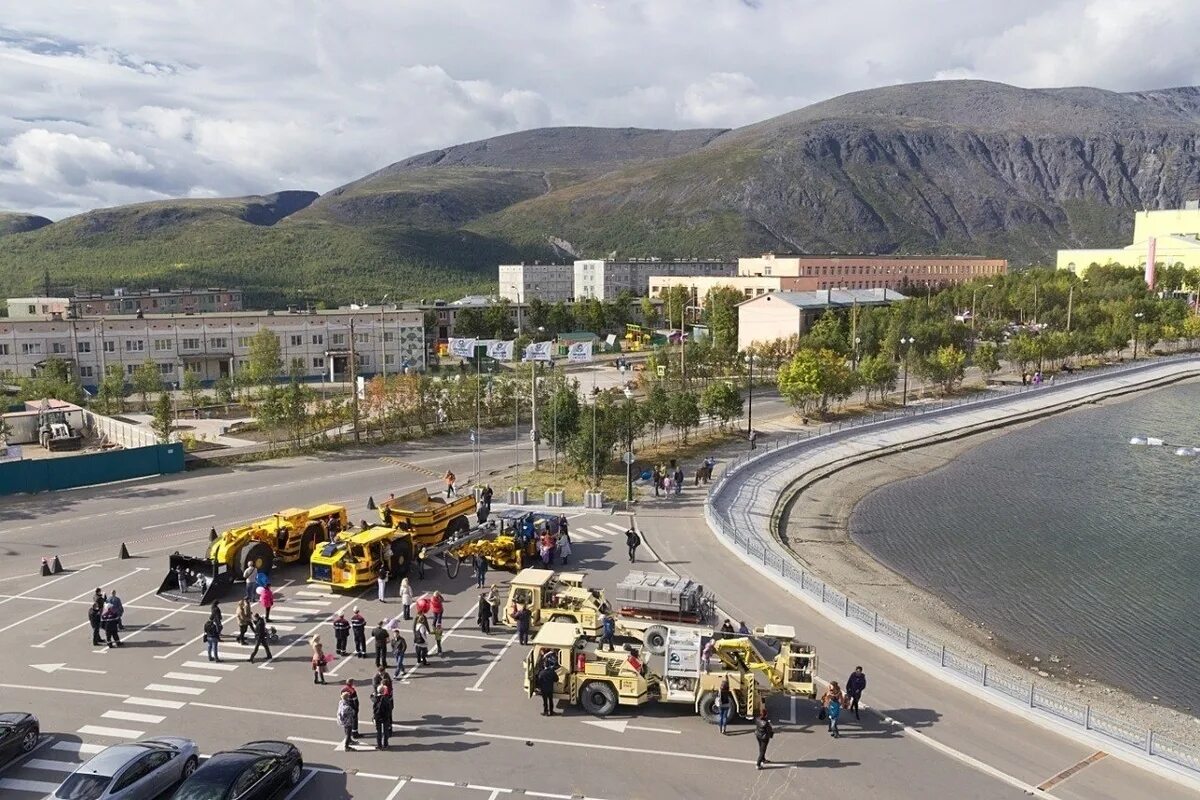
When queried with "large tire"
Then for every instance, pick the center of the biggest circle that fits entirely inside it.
(655, 639)
(313, 532)
(598, 698)
(458, 526)
(259, 553)
(708, 707)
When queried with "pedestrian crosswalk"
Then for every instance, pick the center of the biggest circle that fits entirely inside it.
(601, 530)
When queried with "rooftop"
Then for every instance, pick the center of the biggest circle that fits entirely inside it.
(831, 298)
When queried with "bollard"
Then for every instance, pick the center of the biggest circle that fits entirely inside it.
(45, 568)
(56, 566)
(212, 534)
(370, 504)
(124, 554)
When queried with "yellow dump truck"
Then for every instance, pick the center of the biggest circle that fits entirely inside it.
(287, 537)
(427, 518)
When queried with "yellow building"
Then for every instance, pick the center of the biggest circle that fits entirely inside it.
(1175, 235)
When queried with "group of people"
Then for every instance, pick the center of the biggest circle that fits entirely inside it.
(836, 699)
(106, 613)
(667, 479)
(248, 620)
(382, 709)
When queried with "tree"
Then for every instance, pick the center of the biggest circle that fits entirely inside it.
(538, 315)
(721, 314)
(813, 377)
(146, 379)
(1191, 329)
(675, 302)
(649, 312)
(658, 410)
(294, 410)
(563, 416)
(271, 413)
(223, 387)
(589, 315)
(878, 372)
(1023, 351)
(721, 401)
(561, 319)
(192, 386)
(265, 360)
(497, 320)
(111, 394)
(54, 379)
(826, 334)
(164, 417)
(946, 366)
(986, 357)
(685, 414)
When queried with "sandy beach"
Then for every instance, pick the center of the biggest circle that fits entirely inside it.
(814, 524)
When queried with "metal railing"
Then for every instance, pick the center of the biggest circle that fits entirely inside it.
(764, 548)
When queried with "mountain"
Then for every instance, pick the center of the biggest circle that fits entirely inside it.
(19, 223)
(941, 167)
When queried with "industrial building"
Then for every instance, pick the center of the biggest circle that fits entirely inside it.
(1162, 238)
(781, 315)
(128, 301)
(804, 273)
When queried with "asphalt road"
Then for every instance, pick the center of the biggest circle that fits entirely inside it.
(465, 727)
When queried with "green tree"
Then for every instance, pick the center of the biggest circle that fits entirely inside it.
(675, 302)
(878, 372)
(987, 358)
(538, 314)
(721, 315)
(649, 312)
(54, 379)
(266, 362)
(589, 315)
(192, 386)
(164, 417)
(145, 380)
(721, 401)
(685, 414)
(658, 410)
(223, 387)
(561, 319)
(826, 334)
(470, 323)
(946, 366)
(294, 410)
(111, 393)
(1023, 350)
(497, 320)
(813, 377)
(562, 419)
(271, 414)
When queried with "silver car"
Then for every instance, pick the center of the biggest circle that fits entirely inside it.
(136, 771)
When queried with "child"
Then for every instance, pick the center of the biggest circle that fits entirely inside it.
(437, 636)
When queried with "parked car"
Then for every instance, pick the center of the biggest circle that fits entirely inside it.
(254, 771)
(19, 734)
(136, 771)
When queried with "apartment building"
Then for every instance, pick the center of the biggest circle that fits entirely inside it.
(130, 301)
(552, 283)
(604, 279)
(809, 273)
(318, 343)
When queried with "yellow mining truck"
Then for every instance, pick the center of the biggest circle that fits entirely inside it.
(513, 543)
(427, 518)
(599, 682)
(290, 536)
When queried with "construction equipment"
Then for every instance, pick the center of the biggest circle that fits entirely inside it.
(290, 536)
(427, 518)
(512, 544)
(55, 432)
(562, 597)
(600, 681)
(353, 558)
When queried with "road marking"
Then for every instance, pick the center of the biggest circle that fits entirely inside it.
(171, 689)
(115, 733)
(38, 787)
(396, 789)
(408, 676)
(42, 585)
(219, 667)
(49, 764)
(177, 522)
(620, 726)
(1072, 770)
(431, 782)
(617, 530)
(495, 660)
(56, 637)
(191, 676)
(62, 603)
(300, 785)
(144, 628)
(78, 748)
(154, 702)
(291, 714)
(609, 747)
(314, 629)
(325, 595)
(335, 745)
(586, 535)
(52, 668)
(129, 716)
(59, 689)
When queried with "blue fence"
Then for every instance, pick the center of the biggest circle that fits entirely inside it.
(86, 469)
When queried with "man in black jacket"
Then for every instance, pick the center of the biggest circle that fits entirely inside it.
(856, 684)
(546, 678)
(763, 732)
(94, 614)
(260, 637)
(381, 707)
(381, 637)
(632, 541)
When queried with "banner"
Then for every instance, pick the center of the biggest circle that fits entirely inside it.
(501, 351)
(580, 352)
(539, 351)
(462, 348)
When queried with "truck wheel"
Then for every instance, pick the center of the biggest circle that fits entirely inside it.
(708, 707)
(655, 639)
(598, 699)
(257, 553)
(308, 540)
(458, 526)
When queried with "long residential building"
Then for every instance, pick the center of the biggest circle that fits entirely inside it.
(604, 279)
(129, 301)
(319, 343)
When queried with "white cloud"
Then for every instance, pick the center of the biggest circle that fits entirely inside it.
(114, 102)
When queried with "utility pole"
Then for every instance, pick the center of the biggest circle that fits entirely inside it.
(1070, 303)
(353, 379)
(478, 415)
(533, 429)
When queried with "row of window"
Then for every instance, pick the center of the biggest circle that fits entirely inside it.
(850, 269)
(168, 368)
(188, 343)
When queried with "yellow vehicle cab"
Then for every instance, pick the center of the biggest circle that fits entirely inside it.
(353, 559)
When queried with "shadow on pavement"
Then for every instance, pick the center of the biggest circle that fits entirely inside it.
(913, 717)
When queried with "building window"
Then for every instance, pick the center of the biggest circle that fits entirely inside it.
(110, 347)
(83, 347)
(129, 368)
(362, 338)
(337, 339)
(388, 336)
(189, 344)
(364, 360)
(219, 343)
(86, 372)
(296, 340)
(166, 369)
(194, 366)
(31, 348)
(318, 363)
(389, 359)
(318, 338)
(297, 365)
(135, 345)
(58, 347)
(243, 341)
(4, 350)
(163, 344)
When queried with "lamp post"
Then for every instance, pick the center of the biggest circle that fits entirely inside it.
(750, 394)
(595, 397)
(1136, 317)
(857, 342)
(629, 449)
(382, 345)
(906, 343)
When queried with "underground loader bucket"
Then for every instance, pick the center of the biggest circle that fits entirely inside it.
(205, 580)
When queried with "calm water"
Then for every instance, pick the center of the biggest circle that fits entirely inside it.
(1064, 539)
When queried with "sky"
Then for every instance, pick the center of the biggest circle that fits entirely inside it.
(117, 102)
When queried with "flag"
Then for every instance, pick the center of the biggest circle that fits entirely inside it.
(580, 352)
(462, 348)
(538, 351)
(500, 350)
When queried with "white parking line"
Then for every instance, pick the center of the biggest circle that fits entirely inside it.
(396, 789)
(495, 660)
(171, 689)
(408, 676)
(42, 585)
(144, 628)
(192, 676)
(37, 787)
(188, 643)
(49, 765)
(154, 702)
(300, 786)
(314, 629)
(129, 716)
(62, 603)
(219, 667)
(114, 733)
(56, 637)
(78, 748)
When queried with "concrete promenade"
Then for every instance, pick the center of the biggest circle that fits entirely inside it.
(986, 724)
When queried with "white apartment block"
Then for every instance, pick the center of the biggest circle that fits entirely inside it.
(604, 279)
(520, 283)
(318, 343)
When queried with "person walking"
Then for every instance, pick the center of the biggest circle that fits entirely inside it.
(251, 576)
(381, 712)
(118, 609)
(484, 614)
(564, 545)
(753, 440)
(856, 684)
(267, 598)
(381, 638)
(318, 659)
(406, 597)
(656, 479)
(632, 542)
(217, 617)
(437, 607)
(678, 479)
(763, 733)
(421, 639)
(358, 625)
(494, 601)
(546, 678)
(341, 634)
(831, 706)
(487, 498)
(523, 617)
(381, 580)
(449, 478)
(260, 637)
(212, 635)
(245, 614)
(481, 568)
(346, 719)
(399, 648)
(724, 705)
(608, 629)
(94, 618)
(437, 636)
(112, 624)
(352, 694)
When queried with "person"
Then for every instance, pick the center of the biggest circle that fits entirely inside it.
(94, 615)
(678, 479)
(763, 733)
(484, 615)
(380, 635)
(856, 684)
(267, 598)
(318, 659)
(421, 639)
(118, 609)
(381, 711)
(381, 578)
(399, 647)
(217, 617)
(564, 545)
(481, 568)
(632, 541)
(406, 597)
(494, 601)
(351, 694)
(212, 635)
(111, 622)
(245, 613)
(707, 653)
(831, 703)
(546, 678)
(358, 625)
(450, 490)
(382, 678)
(656, 479)
(608, 629)
(724, 704)
(487, 498)
(546, 547)
(345, 718)
(754, 439)
(437, 636)
(251, 576)
(437, 606)
(260, 637)
(727, 627)
(742, 629)
(709, 463)
(341, 634)
(523, 617)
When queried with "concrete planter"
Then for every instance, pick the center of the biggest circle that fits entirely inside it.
(554, 497)
(517, 496)
(593, 499)
(478, 492)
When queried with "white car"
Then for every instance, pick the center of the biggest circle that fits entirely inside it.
(139, 770)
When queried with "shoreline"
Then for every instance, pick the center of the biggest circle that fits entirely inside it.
(814, 525)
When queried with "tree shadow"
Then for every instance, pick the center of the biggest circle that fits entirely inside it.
(913, 717)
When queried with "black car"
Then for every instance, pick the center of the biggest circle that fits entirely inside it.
(19, 734)
(254, 771)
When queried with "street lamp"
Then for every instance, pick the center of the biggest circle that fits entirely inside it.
(1136, 317)
(975, 291)
(595, 397)
(382, 345)
(750, 394)
(907, 345)
(857, 342)
(629, 450)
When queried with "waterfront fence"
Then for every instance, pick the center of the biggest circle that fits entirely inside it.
(1014, 687)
